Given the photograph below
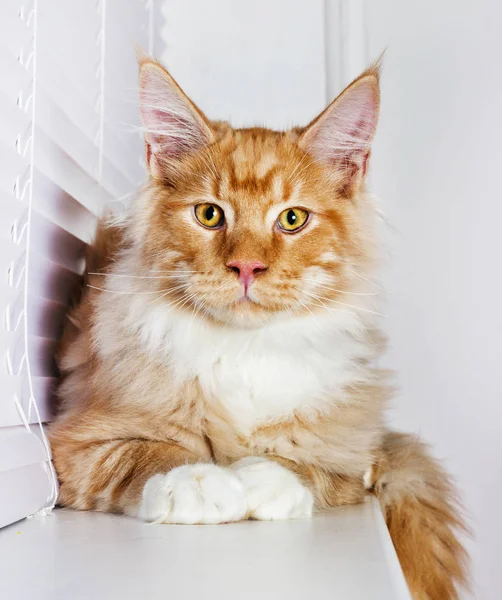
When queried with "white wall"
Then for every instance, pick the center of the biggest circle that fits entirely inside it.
(252, 62)
(436, 167)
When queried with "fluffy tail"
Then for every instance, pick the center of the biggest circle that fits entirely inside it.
(420, 506)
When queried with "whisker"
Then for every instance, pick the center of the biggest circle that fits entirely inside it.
(315, 318)
(127, 293)
(173, 304)
(313, 162)
(331, 309)
(366, 310)
(332, 288)
(188, 299)
(195, 312)
(318, 298)
(95, 287)
(379, 286)
(141, 276)
(179, 271)
(298, 166)
(182, 270)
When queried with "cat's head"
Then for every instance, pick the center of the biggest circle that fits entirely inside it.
(248, 225)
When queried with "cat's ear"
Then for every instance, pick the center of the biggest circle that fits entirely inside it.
(342, 134)
(172, 124)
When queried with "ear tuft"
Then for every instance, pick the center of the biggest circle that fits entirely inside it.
(342, 134)
(173, 125)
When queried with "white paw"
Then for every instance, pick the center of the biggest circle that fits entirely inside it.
(272, 491)
(201, 493)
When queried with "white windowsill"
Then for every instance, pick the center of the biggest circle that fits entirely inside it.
(344, 553)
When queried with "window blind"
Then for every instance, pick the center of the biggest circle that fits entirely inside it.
(68, 147)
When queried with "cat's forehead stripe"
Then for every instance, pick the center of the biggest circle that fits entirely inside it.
(265, 164)
(254, 166)
(274, 185)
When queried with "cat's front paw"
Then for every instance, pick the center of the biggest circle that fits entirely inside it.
(200, 493)
(272, 491)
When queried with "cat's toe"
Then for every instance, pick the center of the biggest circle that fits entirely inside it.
(272, 491)
(200, 493)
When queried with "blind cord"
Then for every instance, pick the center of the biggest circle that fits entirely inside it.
(49, 468)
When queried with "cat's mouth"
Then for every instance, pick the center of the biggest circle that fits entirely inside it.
(246, 301)
(246, 296)
(246, 306)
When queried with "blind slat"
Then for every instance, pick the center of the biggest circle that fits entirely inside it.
(125, 152)
(55, 164)
(13, 166)
(18, 387)
(69, 33)
(55, 244)
(77, 145)
(11, 299)
(47, 240)
(80, 107)
(16, 36)
(41, 354)
(19, 448)
(13, 9)
(51, 281)
(15, 80)
(12, 211)
(10, 260)
(66, 134)
(56, 205)
(15, 123)
(114, 181)
(46, 316)
(25, 490)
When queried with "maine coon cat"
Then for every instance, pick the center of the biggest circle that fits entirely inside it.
(219, 363)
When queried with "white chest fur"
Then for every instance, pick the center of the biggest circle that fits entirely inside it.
(261, 374)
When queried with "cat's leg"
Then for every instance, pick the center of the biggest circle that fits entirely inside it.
(277, 488)
(153, 480)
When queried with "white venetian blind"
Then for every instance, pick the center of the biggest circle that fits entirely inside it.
(68, 147)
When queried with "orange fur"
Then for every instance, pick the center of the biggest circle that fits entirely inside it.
(421, 508)
(132, 409)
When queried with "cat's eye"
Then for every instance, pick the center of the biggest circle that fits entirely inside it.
(209, 215)
(293, 219)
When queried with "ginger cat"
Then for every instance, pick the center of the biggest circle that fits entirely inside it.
(219, 364)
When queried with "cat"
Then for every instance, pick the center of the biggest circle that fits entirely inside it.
(219, 362)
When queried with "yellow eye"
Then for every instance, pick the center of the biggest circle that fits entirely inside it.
(209, 215)
(293, 219)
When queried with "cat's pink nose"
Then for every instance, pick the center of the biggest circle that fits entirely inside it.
(246, 271)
